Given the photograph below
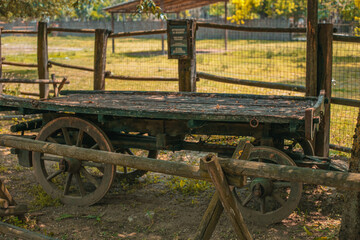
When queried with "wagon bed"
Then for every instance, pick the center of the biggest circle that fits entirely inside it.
(170, 105)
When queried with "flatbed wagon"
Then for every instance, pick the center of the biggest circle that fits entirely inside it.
(141, 123)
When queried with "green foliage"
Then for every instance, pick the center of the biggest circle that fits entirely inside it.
(187, 186)
(10, 9)
(149, 7)
(217, 9)
(42, 199)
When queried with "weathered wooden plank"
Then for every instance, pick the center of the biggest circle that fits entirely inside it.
(174, 106)
(189, 94)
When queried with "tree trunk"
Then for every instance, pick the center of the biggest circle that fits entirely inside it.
(351, 212)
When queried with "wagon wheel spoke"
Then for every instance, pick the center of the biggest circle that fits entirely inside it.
(262, 205)
(50, 139)
(66, 136)
(89, 177)
(67, 183)
(96, 145)
(80, 184)
(80, 138)
(54, 175)
(278, 198)
(247, 199)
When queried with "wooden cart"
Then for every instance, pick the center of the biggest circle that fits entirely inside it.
(141, 123)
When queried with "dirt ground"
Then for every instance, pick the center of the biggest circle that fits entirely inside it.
(157, 208)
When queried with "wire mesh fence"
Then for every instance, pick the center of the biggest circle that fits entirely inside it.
(19, 49)
(144, 58)
(251, 57)
(346, 76)
(72, 50)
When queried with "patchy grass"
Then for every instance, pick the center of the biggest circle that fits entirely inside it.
(42, 199)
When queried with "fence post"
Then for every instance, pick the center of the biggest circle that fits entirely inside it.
(42, 58)
(101, 36)
(1, 85)
(311, 48)
(324, 77)
(187, 67)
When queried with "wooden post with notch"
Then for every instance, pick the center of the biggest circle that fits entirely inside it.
(311, 48)
(101, 37)
(215, 208)
(324, 77)
(42, 58)
(227, 197)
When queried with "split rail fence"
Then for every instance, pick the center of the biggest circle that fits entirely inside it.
(319, 63)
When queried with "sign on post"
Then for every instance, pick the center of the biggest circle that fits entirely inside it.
(180, 39)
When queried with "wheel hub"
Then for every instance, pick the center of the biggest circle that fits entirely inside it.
(69, 165)
(261, 187)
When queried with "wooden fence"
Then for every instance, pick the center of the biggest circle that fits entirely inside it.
(318, 74)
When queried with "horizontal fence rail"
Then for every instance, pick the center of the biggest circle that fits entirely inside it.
(70, 66)
(345, 102)
(18, 32)
(73, 30)
(129, 78)
(31, 81)
(342, 38)
(279, 86)
(340, 148)
(137, 33)
(31, 65)
(250, 29)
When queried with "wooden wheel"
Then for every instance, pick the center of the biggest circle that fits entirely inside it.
(71, 180)
(265, 201)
